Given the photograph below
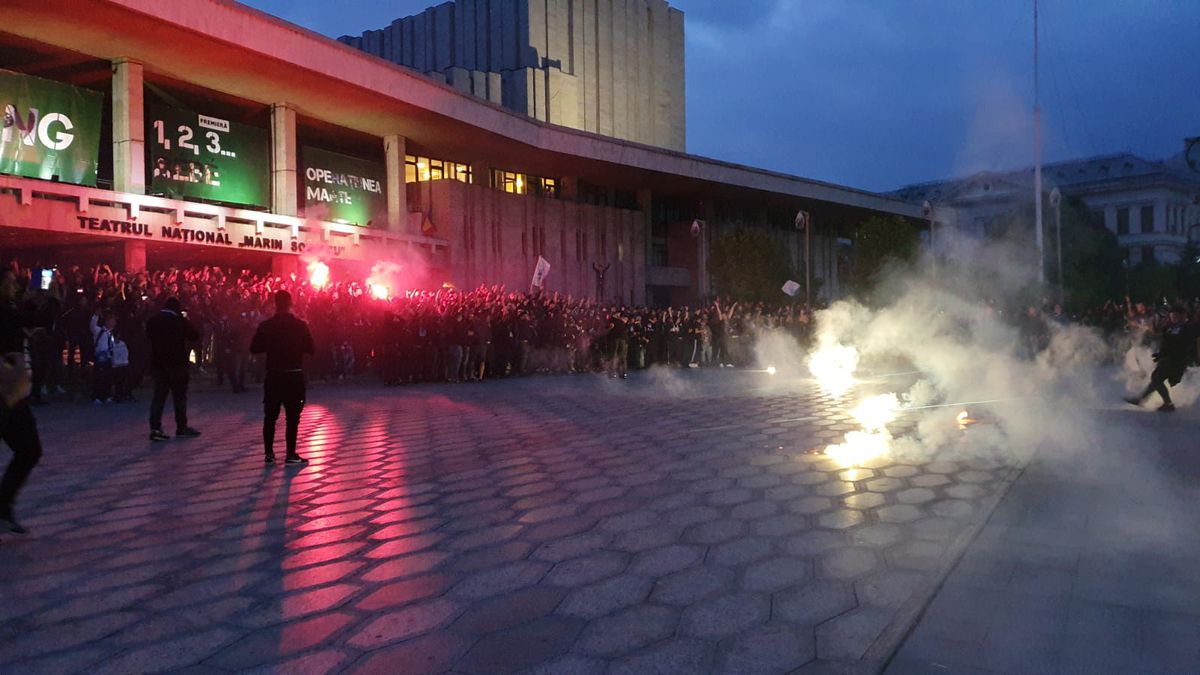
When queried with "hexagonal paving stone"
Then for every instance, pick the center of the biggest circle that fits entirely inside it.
(877, 534)
(884, 484)
(891, 588)
(929, 480)
(772, 648)
(810, 505)
(974, 477)
(787, 523)
(917, 555)
(740, 551)
(901, 471)
(847, 563)
(810, 478)
(841, 519)
(725, 615)
(692, 585)
(852, 475)
(754, 511)
(588, 569)
(898, 513)
(863, 500)
(660, 561)
(834, 488)
(953, 508)
(627, 630)
(776, 574)
(602, 598)
(965, 491)
(915, 496)
(677, 655)
(716, 531)
(941, 467)
(814, 543)
(814, 602)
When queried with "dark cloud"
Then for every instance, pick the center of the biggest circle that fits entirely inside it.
(879, 94)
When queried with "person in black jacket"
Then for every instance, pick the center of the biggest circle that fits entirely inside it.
(285, 340)
(171, 338)
(18, 428)
(1176, 351)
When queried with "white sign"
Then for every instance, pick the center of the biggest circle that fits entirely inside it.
(791, 288)
(540, 272)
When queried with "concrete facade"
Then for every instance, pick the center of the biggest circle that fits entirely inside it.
(612, 67)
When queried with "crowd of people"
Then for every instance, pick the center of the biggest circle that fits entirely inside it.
(86, 330)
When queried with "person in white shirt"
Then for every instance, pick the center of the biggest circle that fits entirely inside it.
(104, 343)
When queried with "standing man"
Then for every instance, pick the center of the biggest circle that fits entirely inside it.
(171, 338)
(285, 340)
(18, 428)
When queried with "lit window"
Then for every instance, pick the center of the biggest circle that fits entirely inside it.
(423, 169)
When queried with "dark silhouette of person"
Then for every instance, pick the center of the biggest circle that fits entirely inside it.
(171, 338)
(18, 428)
(285, 339)
(1176, 351)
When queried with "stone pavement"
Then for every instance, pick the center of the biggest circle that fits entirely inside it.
(670, 523)
(1088, 565)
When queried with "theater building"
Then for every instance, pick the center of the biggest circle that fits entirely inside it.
(148, 133)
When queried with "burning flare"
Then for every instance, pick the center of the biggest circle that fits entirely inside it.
(318, 274)
(874, 414)
(379, 291)
(833, 366)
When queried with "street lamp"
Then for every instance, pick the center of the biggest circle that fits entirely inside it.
(927, 210)
(1056, 202)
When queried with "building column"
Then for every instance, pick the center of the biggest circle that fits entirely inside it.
(394, 150)
(641, 258)
(129, 130)
(133, 256)
(284, 195)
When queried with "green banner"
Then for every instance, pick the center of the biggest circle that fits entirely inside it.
(344, 189)
(50, 129)
(194, 155)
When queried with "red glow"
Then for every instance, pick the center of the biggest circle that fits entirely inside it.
(318, 274)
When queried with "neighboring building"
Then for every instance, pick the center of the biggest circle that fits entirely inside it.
(211, 133)
(611, 67)
(1151, 205)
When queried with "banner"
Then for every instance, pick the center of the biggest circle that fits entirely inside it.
(194, 155)
(344, 189)
(50, 129)
(791, 288)
(540, 272)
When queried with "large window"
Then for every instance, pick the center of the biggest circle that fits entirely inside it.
(423, 169)
(1122, 221)
(1148, 218)
(524, 184)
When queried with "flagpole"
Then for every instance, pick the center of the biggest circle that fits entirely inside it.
(1037, 153)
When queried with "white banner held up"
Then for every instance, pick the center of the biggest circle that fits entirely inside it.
(791, 288)
(540, 272)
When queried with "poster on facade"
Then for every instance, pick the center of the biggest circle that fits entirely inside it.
(194, 155)
(540, 272)
(51, 130)
(344, 189)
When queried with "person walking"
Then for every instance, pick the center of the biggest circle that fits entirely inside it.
(285, 339)
(18, 428)
(171, 338)
(1176, 351)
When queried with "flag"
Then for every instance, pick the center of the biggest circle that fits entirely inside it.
(540, 272)
(791, 288)
(801, 221)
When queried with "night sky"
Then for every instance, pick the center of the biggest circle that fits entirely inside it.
(881, 93)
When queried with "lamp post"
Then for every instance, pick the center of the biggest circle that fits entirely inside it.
(927, 209)
(1056, 202)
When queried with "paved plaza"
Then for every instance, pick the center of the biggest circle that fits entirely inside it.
(670, 523)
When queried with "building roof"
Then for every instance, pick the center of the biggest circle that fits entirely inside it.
(1070, 175)
(227, 47)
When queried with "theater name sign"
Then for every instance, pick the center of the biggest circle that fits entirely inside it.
(191, 235)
